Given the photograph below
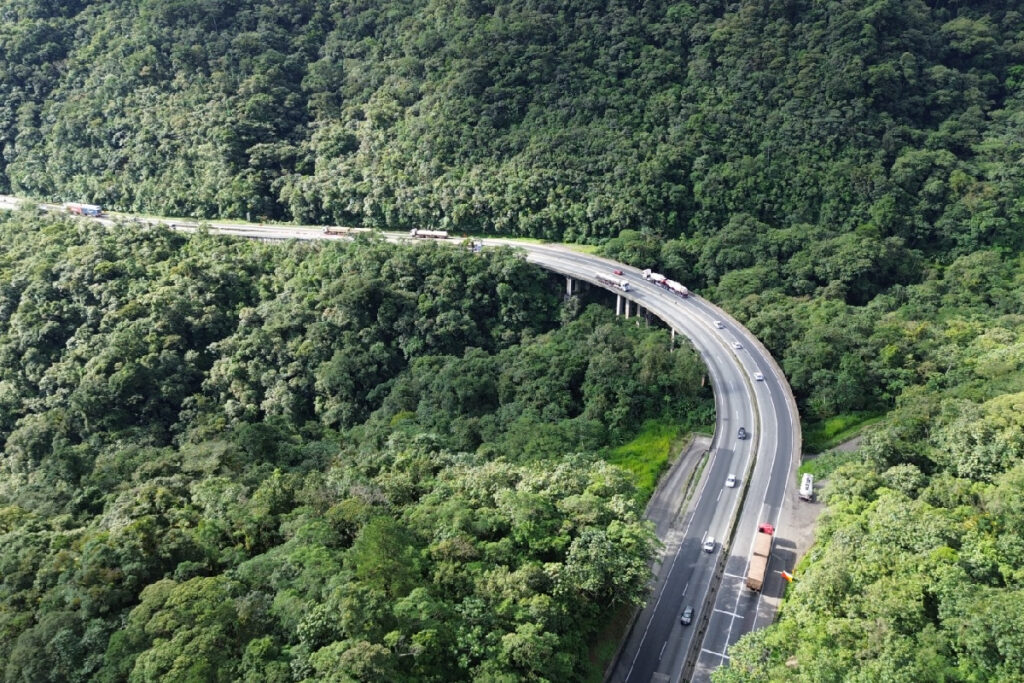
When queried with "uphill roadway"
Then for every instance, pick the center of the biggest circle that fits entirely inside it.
(658, 647)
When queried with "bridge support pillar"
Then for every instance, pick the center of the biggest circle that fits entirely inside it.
(568, 285)
(618, 305)
(626, 302)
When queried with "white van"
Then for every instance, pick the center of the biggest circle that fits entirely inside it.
(807, 487)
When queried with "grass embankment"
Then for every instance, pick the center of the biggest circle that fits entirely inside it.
(647, 455)
(820, 436)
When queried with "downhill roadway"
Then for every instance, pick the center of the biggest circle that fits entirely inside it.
(659, 647)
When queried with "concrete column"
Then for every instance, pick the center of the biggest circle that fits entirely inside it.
(672, 342)
(618, 305)
(568, 286)
(627, 309)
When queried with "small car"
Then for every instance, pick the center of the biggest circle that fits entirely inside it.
(741, 433)
(758, 376)
(687, 616)
(616, 272)
(737, 345)
(719, 324)
(730, 481)
(709, 544)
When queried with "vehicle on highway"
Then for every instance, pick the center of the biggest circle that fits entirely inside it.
(616, 272)
(615, 282)
(687, 616)
(741, 433)
(719, 324)
(758, 376)
(428, 234)
(83, 209)
(662, 281)
(758, 564)
(730, 481)
(737, 345)
(709, 544)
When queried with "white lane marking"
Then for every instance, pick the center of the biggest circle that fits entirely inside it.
(733, 614)
(662, 653)
(686, 532)
(684, 589)
(712, 652)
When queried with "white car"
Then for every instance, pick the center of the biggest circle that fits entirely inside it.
(719, 324)
(758, 376)
(737, 345)
(709, 544)
(730, 481)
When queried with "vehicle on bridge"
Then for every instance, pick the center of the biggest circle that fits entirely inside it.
(342, 230)
(759, 560)
(83, 209)
(662, 281)
(617, 283)
(429, 234)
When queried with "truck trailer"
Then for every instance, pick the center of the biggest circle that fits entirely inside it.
(428, 234)
(617, 283)
(83, 209)
(759, 560)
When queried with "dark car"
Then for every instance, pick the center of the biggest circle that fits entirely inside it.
(741, 434)
(687, 616)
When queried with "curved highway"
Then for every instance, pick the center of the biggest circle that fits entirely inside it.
(750, 392)
(660, 647)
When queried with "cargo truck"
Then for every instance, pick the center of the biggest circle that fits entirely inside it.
(759, 560)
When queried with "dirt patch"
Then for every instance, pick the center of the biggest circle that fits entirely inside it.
(798, 519)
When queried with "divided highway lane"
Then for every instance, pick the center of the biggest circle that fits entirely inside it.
(738, 610)
(659, 646)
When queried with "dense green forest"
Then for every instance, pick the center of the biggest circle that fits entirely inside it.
(217, 442)
(799, 122)
(226, 460)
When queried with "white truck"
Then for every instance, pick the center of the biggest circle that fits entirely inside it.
(662, 281)
(429, 234)
(612, 281)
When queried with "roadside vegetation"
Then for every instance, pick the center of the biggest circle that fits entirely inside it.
(225, 460)
(366, 462)
(820, 436)
(650, 452)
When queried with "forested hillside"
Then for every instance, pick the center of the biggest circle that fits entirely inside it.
(207, 444)
(232, 461)
(796, 121)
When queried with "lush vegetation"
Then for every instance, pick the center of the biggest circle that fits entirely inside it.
(850, 134)
(232, 461)
(218, 442)
(916, 575)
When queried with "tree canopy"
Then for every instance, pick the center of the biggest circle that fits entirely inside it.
(227, 460)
